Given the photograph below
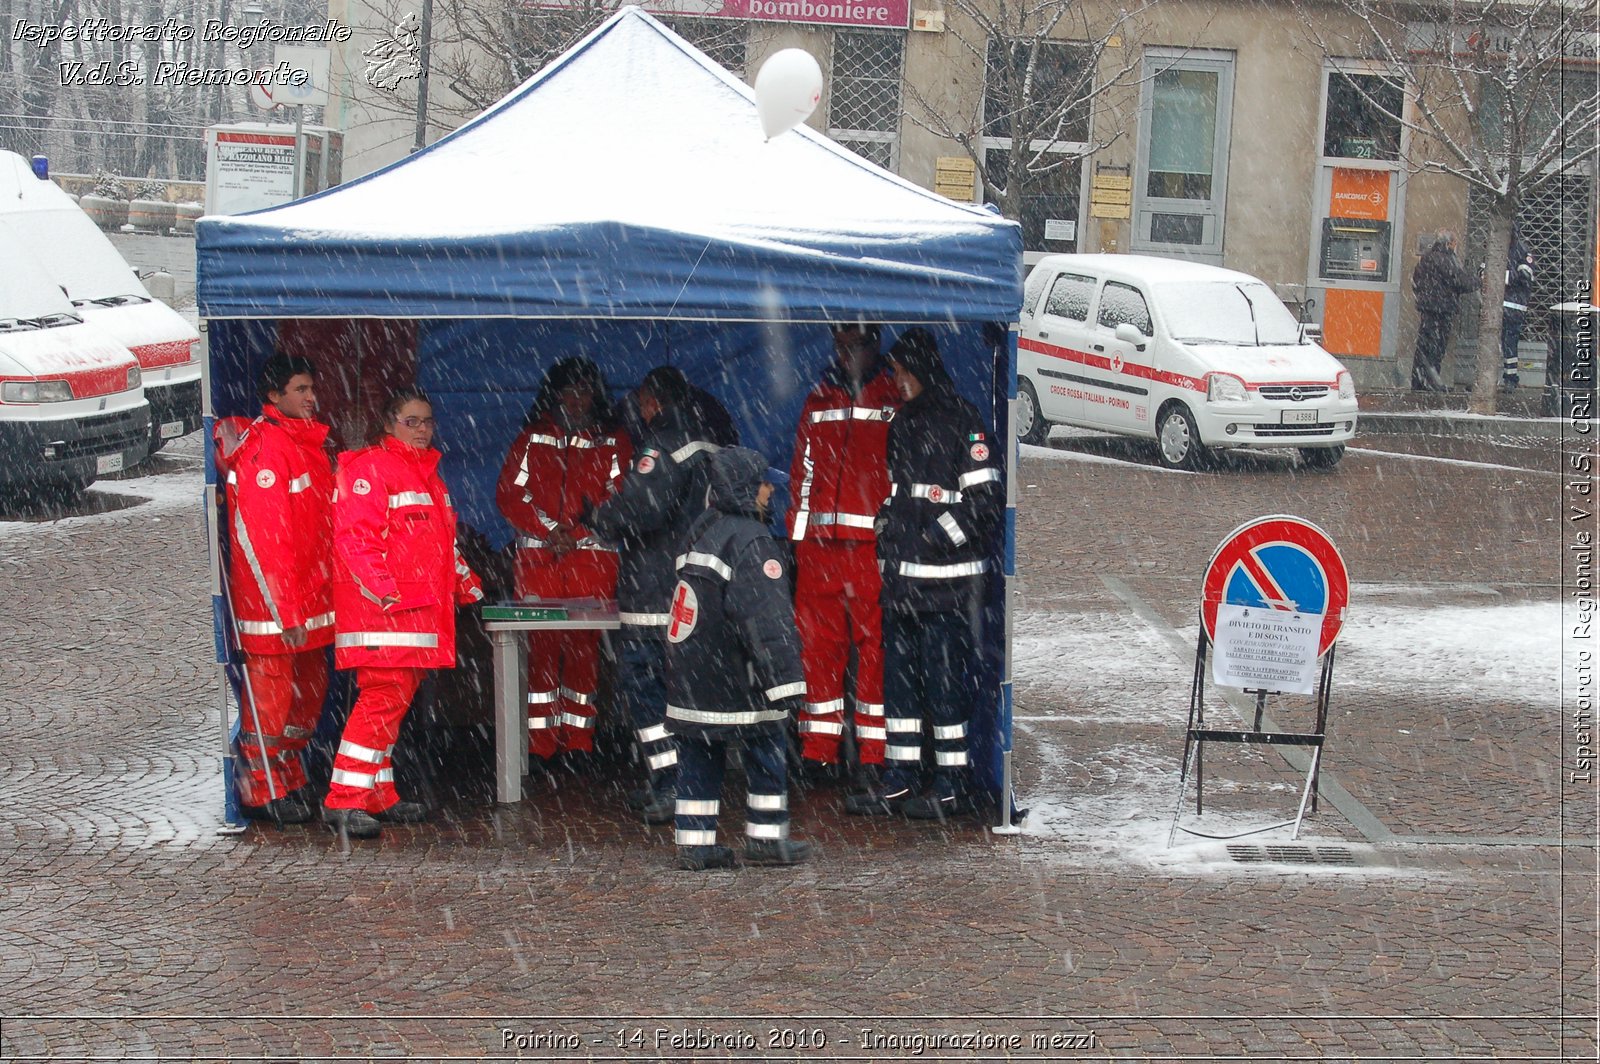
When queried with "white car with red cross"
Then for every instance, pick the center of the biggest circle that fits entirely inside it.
(1195, 357)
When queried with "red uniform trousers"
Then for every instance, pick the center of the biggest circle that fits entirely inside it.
(363, 777)
(287, 691)
(564, 667)
(836, 607)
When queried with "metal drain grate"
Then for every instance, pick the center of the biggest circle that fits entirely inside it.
(1323, 855)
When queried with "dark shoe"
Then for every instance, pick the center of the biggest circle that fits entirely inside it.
(661, 808)
(700, 858)
(776, 851)
(356, 823)
(815, 775)
(1511, 380)
(933, 806)
(639, 797)
(877, 803)
(286, 810)
(402, 813)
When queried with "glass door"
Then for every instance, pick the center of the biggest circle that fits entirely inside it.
(1181, 185)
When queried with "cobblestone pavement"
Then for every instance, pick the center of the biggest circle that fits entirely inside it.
(1439, 905)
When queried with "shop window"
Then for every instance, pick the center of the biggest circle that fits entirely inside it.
(864, 98)
(1058, 120)
(1356, 125)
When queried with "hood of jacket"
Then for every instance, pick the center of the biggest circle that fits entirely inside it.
(736, 475)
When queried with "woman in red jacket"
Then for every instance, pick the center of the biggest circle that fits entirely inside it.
(570, 455)
(398, 580)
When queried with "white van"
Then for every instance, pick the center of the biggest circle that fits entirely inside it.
(1194, 357)
(72, 405)
(107, 293)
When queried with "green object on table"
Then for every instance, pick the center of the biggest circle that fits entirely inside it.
(504, 612)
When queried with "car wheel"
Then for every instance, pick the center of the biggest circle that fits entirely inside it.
(1178, 440)
(1321, 457)
(1031, 425)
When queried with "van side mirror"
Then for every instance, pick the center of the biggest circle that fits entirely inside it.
(1129, 333)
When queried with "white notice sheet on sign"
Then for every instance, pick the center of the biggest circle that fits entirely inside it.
(1266, 650)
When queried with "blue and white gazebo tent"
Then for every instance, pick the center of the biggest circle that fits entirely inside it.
(622, 204)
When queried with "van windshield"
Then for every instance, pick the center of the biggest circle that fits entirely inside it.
(1219, 312)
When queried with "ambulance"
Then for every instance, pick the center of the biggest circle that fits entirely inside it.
(72, 403)
(107, 293)
(1195, 357)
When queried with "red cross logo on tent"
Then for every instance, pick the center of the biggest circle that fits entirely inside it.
(685, 611)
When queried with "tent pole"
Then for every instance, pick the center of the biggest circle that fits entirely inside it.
(232, 820)
(1008, 599)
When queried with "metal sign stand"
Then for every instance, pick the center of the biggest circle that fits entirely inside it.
(1198, 735)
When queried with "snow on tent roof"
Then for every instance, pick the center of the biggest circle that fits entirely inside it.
(628, 179)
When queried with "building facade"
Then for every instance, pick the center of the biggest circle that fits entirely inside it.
(1248, 135)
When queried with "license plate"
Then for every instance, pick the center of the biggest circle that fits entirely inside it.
(108, 463)
(169, 429)
(1299, 417)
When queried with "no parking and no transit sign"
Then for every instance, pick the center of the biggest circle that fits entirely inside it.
(1279, 587)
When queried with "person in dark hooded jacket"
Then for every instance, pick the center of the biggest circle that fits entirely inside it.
(733, 669)
(648, 518)
(936, 541)
(1438, 282)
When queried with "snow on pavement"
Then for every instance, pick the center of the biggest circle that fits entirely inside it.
(1114, 804)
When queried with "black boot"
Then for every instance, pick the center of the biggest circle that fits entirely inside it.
(937, 804)
(356, 823)
(878, 801)
(662, 806)
(402, 813)
(700, 858)
(290, 809)
(776, 851)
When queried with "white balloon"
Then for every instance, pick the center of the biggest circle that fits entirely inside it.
(787, 90)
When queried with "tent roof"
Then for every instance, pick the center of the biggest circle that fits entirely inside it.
(628, 179)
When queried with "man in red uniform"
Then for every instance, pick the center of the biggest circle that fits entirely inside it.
(568, 456)
(395, 592)
(280, 499)
(839, 477)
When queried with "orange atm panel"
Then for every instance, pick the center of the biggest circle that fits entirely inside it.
(1352, 322)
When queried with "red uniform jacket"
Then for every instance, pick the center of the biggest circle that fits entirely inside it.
(548, 475)
(395, 534)
(839, 476)
(280, 507)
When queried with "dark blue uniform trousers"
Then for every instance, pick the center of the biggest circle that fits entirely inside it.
(643, 684)
(702, 759)
(929, 671)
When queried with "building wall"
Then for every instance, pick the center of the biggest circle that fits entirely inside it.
(1271, 214)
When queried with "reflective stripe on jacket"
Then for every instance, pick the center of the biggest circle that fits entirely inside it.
(839, 475)
(395, 535)
(733, 654)
(938, 530)
(280, 529)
